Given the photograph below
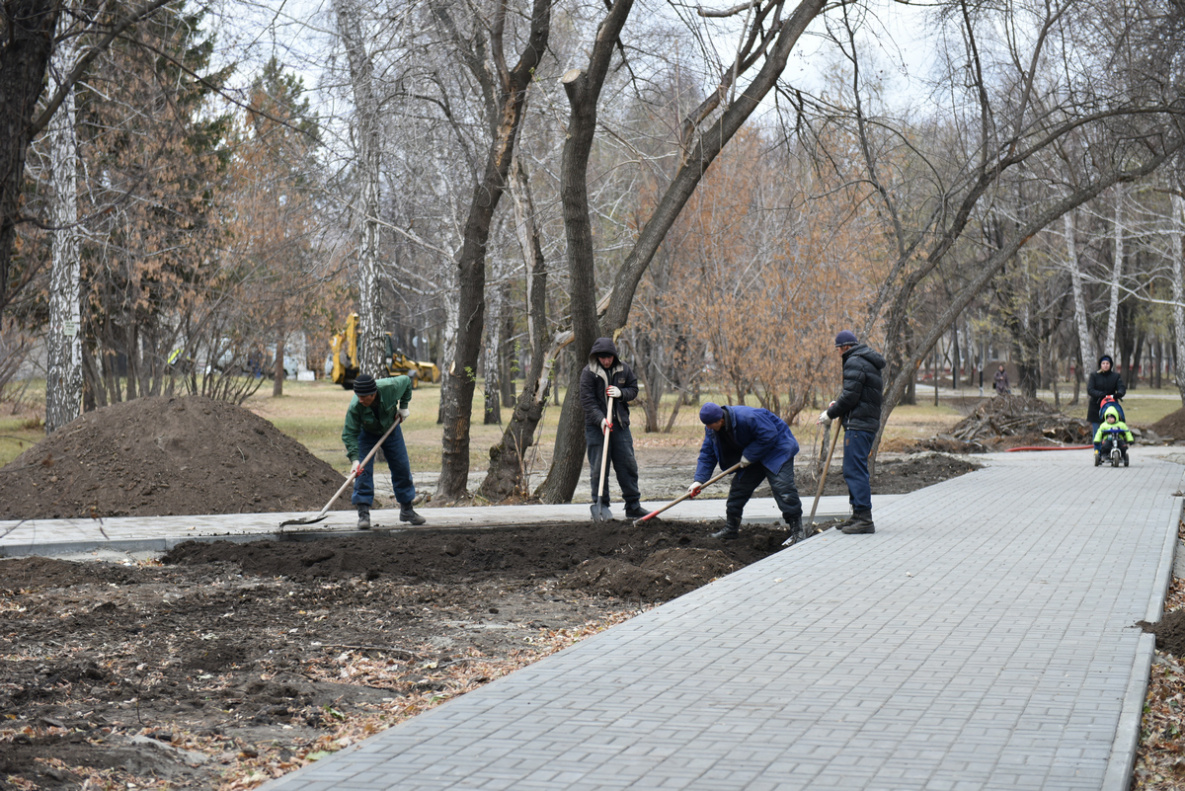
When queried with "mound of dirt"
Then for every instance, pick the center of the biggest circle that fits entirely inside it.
(1169, 631)
(165, 456)
(461, 556)
(664, 575)
(1171, 425)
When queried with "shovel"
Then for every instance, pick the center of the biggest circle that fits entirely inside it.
(826, 467)
(600, 512)
(349, 480)
(683, 497)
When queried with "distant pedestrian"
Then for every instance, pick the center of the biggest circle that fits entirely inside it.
(735, 432)
(1102, 383)
(605, 377)
(859, 407)
(372, 410)
(1000, 380)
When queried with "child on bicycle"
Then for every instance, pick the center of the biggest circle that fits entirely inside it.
(1113, 432)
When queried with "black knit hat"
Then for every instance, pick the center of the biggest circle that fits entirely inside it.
(364, 385)
(845, 338)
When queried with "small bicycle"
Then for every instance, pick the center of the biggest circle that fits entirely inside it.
(1117, 455)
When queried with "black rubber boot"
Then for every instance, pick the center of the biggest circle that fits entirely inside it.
(635, 510)
(861, 523)
(363, 516)
(796, 532)
(731, 530)
(408, 514)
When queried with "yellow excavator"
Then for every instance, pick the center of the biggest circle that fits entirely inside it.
(344, 350)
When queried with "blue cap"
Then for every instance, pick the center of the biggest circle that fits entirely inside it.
(710, 413)
(846, 338)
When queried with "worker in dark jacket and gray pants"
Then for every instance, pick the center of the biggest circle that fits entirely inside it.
(859, 407)
(605, 377)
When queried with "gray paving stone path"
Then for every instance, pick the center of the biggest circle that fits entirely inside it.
(982, 639)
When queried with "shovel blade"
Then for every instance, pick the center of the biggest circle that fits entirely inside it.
(312, 520)
(595, 509)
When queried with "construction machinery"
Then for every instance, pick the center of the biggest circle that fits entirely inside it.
(344, 354)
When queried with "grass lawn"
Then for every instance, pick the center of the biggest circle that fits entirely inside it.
(312, 413)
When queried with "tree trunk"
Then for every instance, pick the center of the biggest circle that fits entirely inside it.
(490, 359)
(278, 370)
(457, 392)
(63, 390)
(1085, 342)
(371, 344)
(24, 57)
(507, 475)
(1110, 339)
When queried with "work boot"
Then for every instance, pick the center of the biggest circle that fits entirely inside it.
(731, 530)
(408, 514)
(635, 510)
(845, 522)
(861, 523)
(363, 516)
(796, 532)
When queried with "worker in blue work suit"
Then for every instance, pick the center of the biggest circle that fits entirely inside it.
(761, 437)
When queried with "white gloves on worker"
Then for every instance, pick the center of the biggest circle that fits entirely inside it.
(403, 413)
(606, 424)
(613, 391)
(694, 488)
(824, 418)
(356, 470)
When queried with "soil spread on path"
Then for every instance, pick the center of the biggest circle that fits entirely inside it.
(164, 456)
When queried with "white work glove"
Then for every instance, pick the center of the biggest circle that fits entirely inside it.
(403, 413)
(613, 391)
(824, 418)
(356, 470)
(694, 488)
(606, 424)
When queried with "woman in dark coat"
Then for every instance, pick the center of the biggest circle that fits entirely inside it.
(1102, 383)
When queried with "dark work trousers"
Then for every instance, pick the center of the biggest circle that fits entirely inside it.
(396, 453)
(621, 459)
(856, 447)
(746, 480)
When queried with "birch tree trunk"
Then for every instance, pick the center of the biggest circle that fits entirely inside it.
(63, 386)
(1085, 343)
(371, 346)
(493, 348)
(1116, 273)
(1178, 228)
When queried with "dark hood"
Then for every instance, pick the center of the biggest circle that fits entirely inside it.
(873, 357)
(602, 346)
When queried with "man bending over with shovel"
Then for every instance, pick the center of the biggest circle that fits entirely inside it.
(607, 380)
(764, 439)
(373, 410)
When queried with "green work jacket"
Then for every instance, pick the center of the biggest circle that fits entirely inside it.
(394, 394)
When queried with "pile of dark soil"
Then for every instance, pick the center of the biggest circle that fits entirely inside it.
(1169, 631)
(1171, 425)
(522, 552)
(165, 456)
(890, 476)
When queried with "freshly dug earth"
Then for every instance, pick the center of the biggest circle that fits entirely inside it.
(163, 456)
(1171, 425)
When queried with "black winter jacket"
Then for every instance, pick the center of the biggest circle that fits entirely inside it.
(1099, 385)
(859, 405)
(594, 379)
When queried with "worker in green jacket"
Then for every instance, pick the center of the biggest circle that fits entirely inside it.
(376, 405)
